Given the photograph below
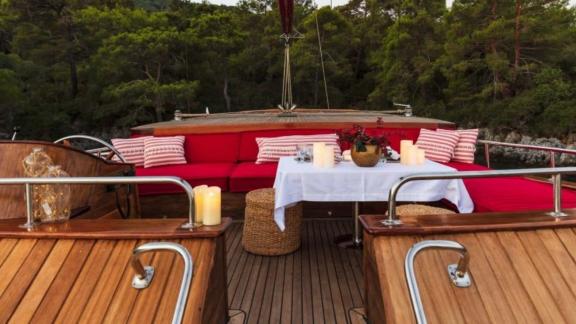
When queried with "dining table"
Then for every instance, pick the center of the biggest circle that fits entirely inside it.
(298, 181)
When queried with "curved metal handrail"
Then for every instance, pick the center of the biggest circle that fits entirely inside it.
(94, 139)
(557, 185)
(458, 272)
(28, 182)
(145, 273)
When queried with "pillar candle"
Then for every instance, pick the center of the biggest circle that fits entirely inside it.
(404, 147)
(211, 206)
(412, 155)
(420, 156)
(328, 157)
(318, 154)
(198, 201)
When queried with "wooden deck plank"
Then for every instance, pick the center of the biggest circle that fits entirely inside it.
(35, 292)
(80, 293)
(547, 269)
(20, 283)
(165, 309)
(521, 305)
(14, 261)
(63, 282)
(305, 301)
(490, 291)
(105, 288)
(6, 246)
(299, 287)
(530, 278)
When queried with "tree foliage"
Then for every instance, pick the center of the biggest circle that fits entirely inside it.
(101, 66)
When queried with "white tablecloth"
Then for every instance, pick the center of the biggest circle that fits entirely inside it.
(346, 182)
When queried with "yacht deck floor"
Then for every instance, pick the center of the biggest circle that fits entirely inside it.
(319, 283)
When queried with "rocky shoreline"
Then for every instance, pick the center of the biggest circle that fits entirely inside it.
(524, 156)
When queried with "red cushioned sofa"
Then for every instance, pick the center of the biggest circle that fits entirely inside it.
(228, 160)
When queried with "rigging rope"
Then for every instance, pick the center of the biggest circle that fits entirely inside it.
(322, 62)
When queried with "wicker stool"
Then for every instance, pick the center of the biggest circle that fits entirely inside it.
(261, 235)
(417, 209)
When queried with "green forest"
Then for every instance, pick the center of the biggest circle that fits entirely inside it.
(102, 66)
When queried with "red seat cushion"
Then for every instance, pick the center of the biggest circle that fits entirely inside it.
(510, 194)
(249, 176)
(211, 174)
(212, 148)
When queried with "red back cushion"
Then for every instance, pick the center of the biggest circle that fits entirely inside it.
(395, 135)
(217, 148)
(249, 147)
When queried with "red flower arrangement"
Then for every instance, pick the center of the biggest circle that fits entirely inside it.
(357, 136)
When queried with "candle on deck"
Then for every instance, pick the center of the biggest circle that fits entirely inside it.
(420, 156)
(328, 157)
(198, 201)
(318, 152)
(412, 155)
(404, 150)
(211, 206)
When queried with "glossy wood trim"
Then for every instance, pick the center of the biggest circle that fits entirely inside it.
(177, 129)
(112, 229)
(465, 223)
(44, 144)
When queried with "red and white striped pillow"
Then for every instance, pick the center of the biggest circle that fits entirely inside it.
(439, 146)
(132, 149)
(163, 151)
(271, 149)
(466, 147)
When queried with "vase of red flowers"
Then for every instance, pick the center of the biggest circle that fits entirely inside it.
(366, 150)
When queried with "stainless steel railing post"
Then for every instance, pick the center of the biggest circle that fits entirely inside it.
(557, 185)
(29, 212)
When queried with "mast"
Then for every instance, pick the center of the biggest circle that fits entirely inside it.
(286, 8)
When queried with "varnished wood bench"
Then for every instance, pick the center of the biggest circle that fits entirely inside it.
(80, 271)
(522, 268)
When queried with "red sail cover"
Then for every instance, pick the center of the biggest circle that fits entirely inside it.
(286, 13)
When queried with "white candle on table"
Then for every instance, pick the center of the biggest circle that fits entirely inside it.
(211, 206)
(404, 149)
(198, 201)
(328, 157)
(420, 156)
(318, 154)
(412, 155)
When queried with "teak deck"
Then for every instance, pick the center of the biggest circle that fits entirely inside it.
(319, 283)
(519, 275)
(86, 276)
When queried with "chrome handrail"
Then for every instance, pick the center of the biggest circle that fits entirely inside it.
(551, 150)
(458, 272)
(94, 139)
(145, 273)
(27, 182)
(557, 185)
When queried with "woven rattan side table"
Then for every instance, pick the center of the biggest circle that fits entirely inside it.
(261, 235)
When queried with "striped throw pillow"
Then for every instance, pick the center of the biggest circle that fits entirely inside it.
(271, 149)
(466, 147)
(439, 146)
(132, 149)
(160, 151)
